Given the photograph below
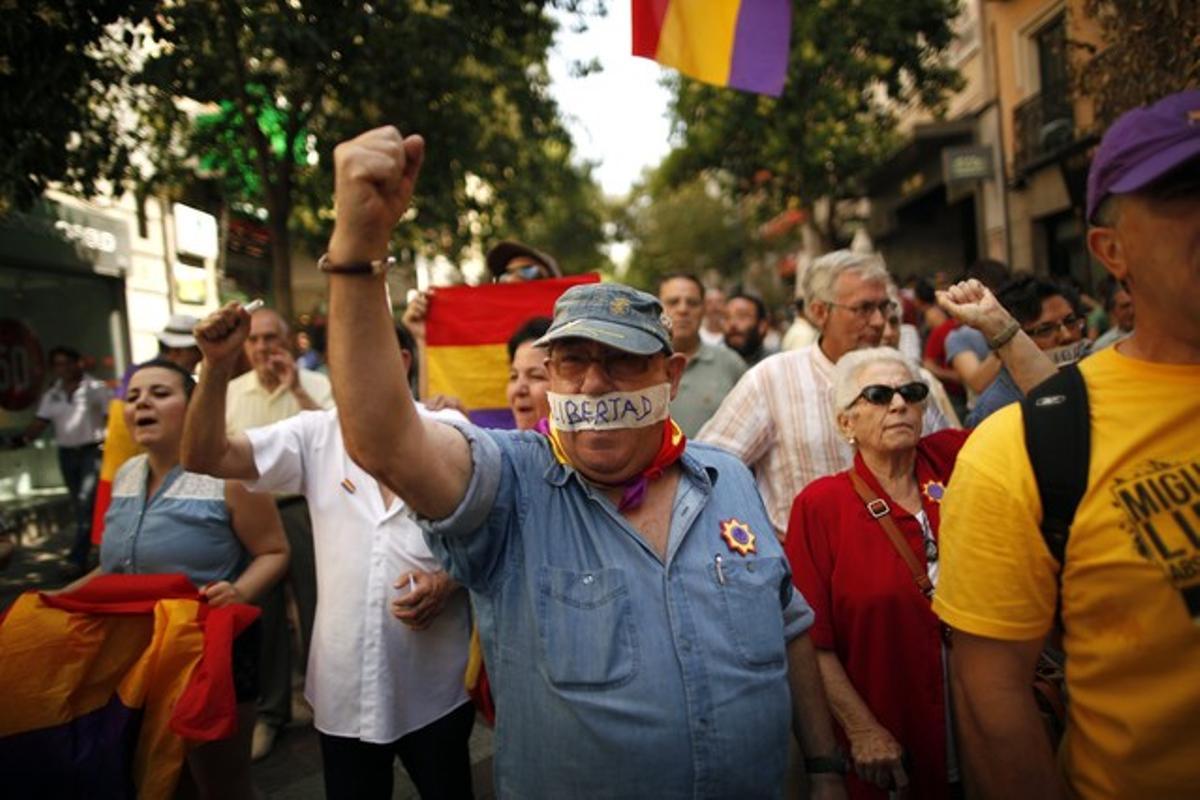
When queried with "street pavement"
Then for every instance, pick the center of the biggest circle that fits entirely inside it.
(293, 769)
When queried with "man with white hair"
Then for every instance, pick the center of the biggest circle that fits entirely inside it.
(779, 418)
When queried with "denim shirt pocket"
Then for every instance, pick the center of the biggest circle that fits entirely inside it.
(585, 624)
(749, 590)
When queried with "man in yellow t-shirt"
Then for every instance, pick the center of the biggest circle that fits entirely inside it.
(1130, 582)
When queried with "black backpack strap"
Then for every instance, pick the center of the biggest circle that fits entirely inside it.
(1058, 440)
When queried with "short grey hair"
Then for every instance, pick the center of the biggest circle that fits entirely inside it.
(850, 367)
(821, 276)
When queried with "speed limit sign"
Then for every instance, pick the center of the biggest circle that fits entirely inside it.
(21, 365)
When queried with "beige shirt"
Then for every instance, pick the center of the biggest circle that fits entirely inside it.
(249, 405)
(779, 420)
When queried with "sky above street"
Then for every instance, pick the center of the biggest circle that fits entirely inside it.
(617, 117)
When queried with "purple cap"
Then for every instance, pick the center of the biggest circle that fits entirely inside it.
(1143, 145)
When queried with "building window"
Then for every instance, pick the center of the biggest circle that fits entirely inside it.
(1044, 123)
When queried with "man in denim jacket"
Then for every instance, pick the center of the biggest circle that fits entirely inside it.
(638, 618)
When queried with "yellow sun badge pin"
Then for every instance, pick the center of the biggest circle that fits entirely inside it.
(738, 536)
(934, 490)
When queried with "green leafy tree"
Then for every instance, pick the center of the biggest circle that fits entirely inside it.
(853, 65)
(59, 70)
(294, 77)
(573, 227)
(693, 227)
(1151, 48)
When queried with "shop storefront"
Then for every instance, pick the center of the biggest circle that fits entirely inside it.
(924, 219)
(61, 283)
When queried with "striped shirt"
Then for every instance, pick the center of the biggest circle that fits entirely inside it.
(779, 420)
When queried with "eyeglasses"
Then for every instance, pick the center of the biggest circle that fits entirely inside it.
(879, 395)
(1072, 323)
(866, 310)
(573, 365)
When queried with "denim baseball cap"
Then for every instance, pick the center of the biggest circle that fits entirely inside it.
(612, 314)
(1143, 145)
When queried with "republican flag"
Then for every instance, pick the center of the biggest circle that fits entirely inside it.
(107, 687)
(119, 447)
(742, 44)
(466, 337)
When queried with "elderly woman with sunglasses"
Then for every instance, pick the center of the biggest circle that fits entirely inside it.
(863, 546)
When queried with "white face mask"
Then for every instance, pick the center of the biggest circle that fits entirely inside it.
(611, 411)
(1068, 353)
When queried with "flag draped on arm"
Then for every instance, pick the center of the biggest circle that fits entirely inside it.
(742, 44)
(107, 687)
(466, 334)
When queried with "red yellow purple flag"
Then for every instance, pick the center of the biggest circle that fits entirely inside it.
(466, 333)
(119, 447)
(742, 44)
(107, 687)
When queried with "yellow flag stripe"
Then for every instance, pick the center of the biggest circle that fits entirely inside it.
(475, 374)
(697, 38)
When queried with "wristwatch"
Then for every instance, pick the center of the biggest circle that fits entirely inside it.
(376, 267)
(835, 762)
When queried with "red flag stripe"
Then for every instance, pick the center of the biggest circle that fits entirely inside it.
(490, 314)
(648, 16)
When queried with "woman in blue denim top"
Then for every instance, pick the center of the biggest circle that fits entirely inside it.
(225, 539)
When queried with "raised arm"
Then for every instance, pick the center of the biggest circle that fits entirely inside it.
(207, 448)
(972, 304)
(426, 463)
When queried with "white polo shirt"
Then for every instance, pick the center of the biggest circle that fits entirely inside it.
(370, 677)
(79, 418)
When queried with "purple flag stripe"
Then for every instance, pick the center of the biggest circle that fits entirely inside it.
(501, 418)
(760, 46)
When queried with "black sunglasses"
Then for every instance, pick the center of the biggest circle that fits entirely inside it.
(879, 395)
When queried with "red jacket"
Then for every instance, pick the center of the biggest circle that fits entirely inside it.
(871, 613)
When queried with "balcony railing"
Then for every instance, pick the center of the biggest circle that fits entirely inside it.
(1043, 126)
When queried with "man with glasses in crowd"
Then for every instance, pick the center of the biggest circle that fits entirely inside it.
(638, 619)
(1049, 314)
(779, 419)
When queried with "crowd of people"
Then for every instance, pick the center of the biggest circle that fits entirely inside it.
(845, 539)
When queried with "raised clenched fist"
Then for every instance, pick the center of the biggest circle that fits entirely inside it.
(971, 303)
(375, 175)
(221, 334)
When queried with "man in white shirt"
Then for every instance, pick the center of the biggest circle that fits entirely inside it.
(390, 641)
(275, 389)
(76, 405)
